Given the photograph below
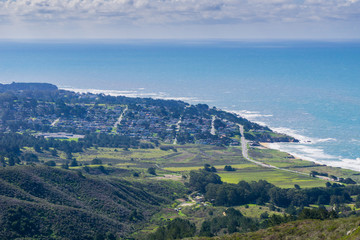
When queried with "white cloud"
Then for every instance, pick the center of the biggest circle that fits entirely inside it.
(169, 11)
(117, 13)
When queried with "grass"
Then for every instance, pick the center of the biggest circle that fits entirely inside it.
(277, 177)
(193, 157)
(254, 211)
(219, 167)
(285, 160)
(277, 158)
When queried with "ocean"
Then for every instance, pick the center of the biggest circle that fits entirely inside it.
(307, 89)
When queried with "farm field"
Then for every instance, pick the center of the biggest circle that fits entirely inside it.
(277, 177)
(182, 159)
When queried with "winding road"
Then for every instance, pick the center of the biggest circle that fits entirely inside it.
(245, 154)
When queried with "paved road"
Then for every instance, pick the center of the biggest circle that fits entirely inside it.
(177, 129)
(245, 154)
(213, 131)
(55, 122)
(120, 118)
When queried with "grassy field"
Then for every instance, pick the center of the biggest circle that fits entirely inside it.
(219, 167)
(285, 160)
(277, 177)
(193, 157)
(277, 158)
(254, 211)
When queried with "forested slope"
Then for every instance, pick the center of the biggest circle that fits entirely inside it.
(48, 203)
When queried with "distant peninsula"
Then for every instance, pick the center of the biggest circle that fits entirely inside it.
(44, 108)
(27, 86)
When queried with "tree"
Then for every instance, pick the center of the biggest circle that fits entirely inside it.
(54, 153)
(209, 168)
(65, 166)
(96, 161)
(30, 157)
(11, 161)
(200, 179)
(50, 163)
(2, 161)
(175, 229)
(151, 170)
(37, 148)
(73, 163)
(229, 168)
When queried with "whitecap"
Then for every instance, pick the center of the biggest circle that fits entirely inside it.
(134, 94)
(250, 115)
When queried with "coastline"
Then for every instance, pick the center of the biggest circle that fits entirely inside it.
(304, 141)
(309, 152)
(350, 164)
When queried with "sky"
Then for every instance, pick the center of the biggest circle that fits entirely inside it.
(180, 19)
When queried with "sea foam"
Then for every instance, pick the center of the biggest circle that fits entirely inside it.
(135, 93)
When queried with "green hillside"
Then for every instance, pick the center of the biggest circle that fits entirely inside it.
(344, 228)
(48, 203)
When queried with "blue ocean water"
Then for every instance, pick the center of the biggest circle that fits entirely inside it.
(306, 89)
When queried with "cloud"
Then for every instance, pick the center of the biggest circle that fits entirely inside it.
(128, 16)
(177, 11)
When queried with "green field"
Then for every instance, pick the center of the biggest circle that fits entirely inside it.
(277, 177)
(254, 211)
(193, 157)
(285, 160)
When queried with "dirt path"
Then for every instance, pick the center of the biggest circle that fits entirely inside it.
(187, 204)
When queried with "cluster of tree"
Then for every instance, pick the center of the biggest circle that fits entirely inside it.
(200, 179)
(209, 168)
(236, 119)
(261, 192)
(167, 148)
(342, 180)
(109, 140)
(175, 229)
(229, 168)
(232, 221)
(151, 170)
(11, 144)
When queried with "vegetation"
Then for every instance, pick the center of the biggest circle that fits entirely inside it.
(261, 192)
(157, 174)
(175, 229)
(344, 228)
(40, 202)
